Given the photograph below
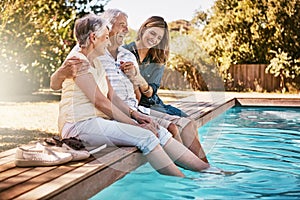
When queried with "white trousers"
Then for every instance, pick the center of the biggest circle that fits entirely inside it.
(97, 131)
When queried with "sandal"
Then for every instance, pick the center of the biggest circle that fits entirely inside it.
(72, 142)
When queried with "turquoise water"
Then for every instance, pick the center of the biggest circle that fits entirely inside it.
(261, 144)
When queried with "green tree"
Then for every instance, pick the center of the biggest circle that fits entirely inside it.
(84, 7)
(284, 67)
(195, 65)
(245, 32)
(35, 37)
(131, 36)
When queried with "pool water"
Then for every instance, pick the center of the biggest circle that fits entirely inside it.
(261, 144)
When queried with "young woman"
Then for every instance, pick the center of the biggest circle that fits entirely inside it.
(92, 112)
(151, 50)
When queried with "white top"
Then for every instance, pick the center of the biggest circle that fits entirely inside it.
(75, 105)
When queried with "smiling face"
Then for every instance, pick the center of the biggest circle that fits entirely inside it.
(152, 37)
(102, 42)
(118, 31)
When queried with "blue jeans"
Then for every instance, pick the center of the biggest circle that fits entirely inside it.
(171, 110)
(157, 104)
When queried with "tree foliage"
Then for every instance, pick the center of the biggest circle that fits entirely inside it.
(250, 31)
(188, 58)
(84, 7)
(36, 36)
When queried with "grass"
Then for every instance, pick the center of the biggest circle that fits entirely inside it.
(11, 138)
(27, 118)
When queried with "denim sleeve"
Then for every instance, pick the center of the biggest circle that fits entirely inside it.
(153, 75)
(155, 87)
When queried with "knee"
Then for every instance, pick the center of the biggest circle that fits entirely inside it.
(172, 128)
(190, 129)
(148, 143)
(193, 123)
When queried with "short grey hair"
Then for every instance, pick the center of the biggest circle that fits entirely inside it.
(111, 14)
(86, 25)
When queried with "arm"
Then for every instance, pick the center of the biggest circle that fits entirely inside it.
(156, 72)
(90, 88)
(69, 69)
(87, 84)
(153, 81)
(118, 102)
(57, 78)
(130, 67)
(140, 84)
(138, 94)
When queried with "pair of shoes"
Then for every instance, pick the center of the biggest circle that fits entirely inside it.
(40, 157)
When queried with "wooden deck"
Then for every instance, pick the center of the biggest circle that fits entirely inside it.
(75, 180)
(81, 180)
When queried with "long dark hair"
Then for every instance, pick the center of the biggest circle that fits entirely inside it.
(160, 52)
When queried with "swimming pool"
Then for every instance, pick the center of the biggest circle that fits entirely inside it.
(262, 144)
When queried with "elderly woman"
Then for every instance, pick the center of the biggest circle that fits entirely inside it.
(92, 112)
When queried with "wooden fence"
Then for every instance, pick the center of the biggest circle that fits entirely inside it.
(244, 77)
(173, 80)
(252, 77)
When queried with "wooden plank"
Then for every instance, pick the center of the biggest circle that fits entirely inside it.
(244, 74)
(7, 153)
(216, 112)
(10, 188)
(251, 76)
(7, 159)
(11, 173)
(34, 177)
(192, 107)
(17, 181)
(202, 112)
(67, 180)
(7, 166)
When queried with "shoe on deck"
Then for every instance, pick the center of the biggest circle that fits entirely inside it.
(76, 154)
(40, 156)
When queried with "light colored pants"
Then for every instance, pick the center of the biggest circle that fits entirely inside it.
(97, 131)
